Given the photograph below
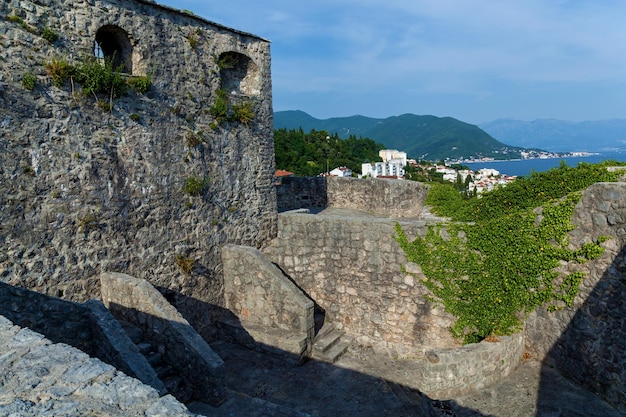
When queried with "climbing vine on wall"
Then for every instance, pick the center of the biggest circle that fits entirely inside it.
(498, 257)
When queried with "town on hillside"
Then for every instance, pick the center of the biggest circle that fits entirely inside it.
(396, 165)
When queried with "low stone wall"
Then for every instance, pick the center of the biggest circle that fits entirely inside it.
(257, 291)
(386, 198)
(586, 341)
(300, 192)
(113, 346)
(44, 379)
(352, 268)
(59, 320)
(136, 301)
(451, 372)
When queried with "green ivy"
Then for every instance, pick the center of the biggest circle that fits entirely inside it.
(498, 257)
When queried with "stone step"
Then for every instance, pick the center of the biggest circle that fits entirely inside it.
(144, 348)
(333, 354)
(326, 339)
(286, 343)
(328, 346)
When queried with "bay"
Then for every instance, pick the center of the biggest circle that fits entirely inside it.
(523, 167)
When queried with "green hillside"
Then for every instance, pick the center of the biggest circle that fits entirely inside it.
(310, 154)
(421, 137)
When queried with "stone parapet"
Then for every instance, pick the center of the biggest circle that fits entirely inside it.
(382, 197)
(123, 353)
(451, 372)
(259, 293)
(59, 320)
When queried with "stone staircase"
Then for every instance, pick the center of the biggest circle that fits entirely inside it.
(328, 345)
(174, 383)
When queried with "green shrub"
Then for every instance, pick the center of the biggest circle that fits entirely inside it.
(242, 113)
(104, 105)
(498, 259)
(15, 19)
(193, 40)
(194, 139)
(135, 117)
(195, 186)
(97, 77)
(219, 109)
(60, 71)
(185, 264)
(140, 84)
(50, 35)
(29, 80)
(88, 222)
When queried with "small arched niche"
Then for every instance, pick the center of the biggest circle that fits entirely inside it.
(112, 42)
(239, 74)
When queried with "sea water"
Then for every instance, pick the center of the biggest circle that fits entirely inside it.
(523, 167)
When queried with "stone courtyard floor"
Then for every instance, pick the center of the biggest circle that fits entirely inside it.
(348, 388)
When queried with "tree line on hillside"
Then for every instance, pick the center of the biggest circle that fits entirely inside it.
(316, 152)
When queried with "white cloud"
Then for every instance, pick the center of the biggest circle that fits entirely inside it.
(472, 47)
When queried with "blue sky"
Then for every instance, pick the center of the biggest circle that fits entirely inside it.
(475, 60)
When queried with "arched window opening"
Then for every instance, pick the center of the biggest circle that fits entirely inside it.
(239, 74)
(112, 42)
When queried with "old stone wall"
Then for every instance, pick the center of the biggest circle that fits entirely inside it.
(587, 340)
(386, 198)
(85, 190)
(302, 192)
(352, 268)
(270, 311)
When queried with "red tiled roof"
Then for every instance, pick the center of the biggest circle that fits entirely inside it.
(282, 173)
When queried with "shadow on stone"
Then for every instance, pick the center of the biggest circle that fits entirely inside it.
(592, 349)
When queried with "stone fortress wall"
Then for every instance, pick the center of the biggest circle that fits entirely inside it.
(84, 190)
(352, 267)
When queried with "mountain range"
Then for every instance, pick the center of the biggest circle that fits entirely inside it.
(421, 137)
(561, 136)
(434, 138)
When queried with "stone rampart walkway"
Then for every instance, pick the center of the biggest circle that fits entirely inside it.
(39, 378)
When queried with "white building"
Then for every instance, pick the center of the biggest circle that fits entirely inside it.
(393, 165)
(383, 169)
(393, 156)
(341, 172)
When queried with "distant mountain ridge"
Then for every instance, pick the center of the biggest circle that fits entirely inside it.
(561, 136)
(421, 137)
